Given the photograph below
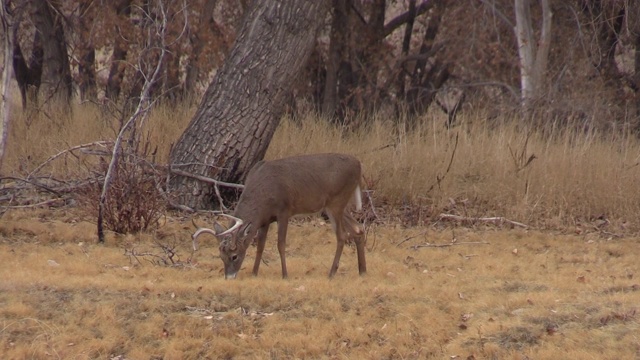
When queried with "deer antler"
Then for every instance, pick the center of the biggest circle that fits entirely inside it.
(199, 231)
(195, 235)
(238, 223)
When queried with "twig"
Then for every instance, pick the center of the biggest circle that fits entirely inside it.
(411, 237)
(498, 220)
(373, 209)
(427, 245)
(439, 178)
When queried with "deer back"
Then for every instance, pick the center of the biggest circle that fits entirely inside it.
(297, 185)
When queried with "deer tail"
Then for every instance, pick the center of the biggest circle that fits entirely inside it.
(357, 195)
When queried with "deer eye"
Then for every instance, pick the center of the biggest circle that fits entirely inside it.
(234, 257)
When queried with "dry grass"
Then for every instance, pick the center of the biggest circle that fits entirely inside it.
(562, 294)
(558, 296)
(577, 179)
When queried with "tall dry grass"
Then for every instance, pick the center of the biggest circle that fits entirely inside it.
(476, 169)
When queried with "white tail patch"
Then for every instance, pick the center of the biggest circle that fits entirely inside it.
(358, 198)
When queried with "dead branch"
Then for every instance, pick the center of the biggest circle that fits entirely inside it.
(82, 146)
(206, 179)
(216, 184)
(427, 245)
(34, 183)
(42, 203)
(497, 220)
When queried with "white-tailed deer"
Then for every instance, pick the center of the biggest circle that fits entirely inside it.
(279, 189)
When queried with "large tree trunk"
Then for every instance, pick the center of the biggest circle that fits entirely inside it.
(241, 109)
(56, 71)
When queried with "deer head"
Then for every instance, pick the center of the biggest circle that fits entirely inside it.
(233, 243)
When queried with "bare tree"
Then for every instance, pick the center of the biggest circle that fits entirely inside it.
(7, 47)
(533, 54)
(241, 108)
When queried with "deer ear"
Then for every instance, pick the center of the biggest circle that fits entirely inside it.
(247, 230)
(223, 240)
(218, 228)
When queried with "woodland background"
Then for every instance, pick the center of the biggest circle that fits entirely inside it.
(392, 56)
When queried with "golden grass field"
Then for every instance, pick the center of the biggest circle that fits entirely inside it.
(566, 287)
(522, 295)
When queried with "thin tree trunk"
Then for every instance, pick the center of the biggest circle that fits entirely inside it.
(406, 46)
(6, 21)
(192, 68)
(533, 54)
(337, 54)
(241, 108)
(120, 48)
(86, 55)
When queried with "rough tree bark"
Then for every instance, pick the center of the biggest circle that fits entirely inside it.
(241, 109)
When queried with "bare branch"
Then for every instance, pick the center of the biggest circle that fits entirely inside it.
(51, 158)
(498, 220)
(402, 19)
(206, 179)
(415, 247)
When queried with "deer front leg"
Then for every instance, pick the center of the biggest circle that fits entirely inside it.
(262, 239)
(283, 223)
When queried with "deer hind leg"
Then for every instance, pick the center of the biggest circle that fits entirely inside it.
(338, 226)
(283, 223)
(357, 233)
(262, 239)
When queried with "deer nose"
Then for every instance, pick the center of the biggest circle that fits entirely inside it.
(230, 276)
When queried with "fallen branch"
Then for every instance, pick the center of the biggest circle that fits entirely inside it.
(206, 179)
(215, 183)
(82, 146)
(415, 247)
(498, 220)
(42, 203)
(411, 237)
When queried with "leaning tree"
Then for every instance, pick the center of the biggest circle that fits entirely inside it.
(241, 109)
